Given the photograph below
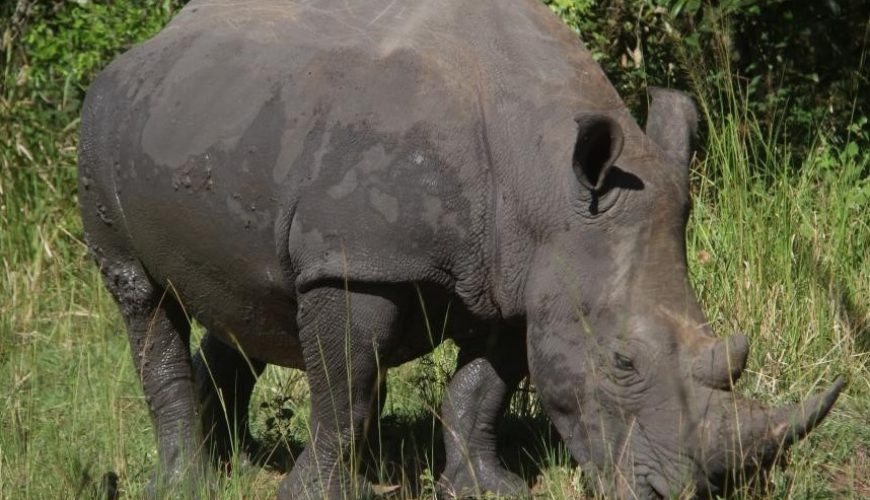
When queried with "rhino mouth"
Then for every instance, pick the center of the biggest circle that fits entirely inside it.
(657, 486)
(648, 486)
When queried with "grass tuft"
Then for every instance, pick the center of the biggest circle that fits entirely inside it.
(779, 248)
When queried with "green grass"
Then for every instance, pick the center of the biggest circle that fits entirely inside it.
(779, 248)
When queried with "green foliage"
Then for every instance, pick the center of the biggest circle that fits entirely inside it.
(808, 56)
(54, 49)
(66, 49)
(631, 40)
(51, 52)
(778, 243)
(799, 64)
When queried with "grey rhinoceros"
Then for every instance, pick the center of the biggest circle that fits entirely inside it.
(311, 180)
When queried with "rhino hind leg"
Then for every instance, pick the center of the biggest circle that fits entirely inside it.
(157, 327)
(345, 334)
(225, 380)
(486, 377)
(159, 335)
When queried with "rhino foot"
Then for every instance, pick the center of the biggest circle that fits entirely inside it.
(480, 479)
(309, 480)
(489, 371)
(194, 482)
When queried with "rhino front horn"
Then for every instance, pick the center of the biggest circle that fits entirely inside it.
(792, 423)
(758, 435)
(721, 363)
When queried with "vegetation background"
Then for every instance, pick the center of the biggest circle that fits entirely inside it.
(779, 246)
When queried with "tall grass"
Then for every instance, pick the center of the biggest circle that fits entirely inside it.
(779, 247)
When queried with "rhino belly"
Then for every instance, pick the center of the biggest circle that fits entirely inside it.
(230, 282)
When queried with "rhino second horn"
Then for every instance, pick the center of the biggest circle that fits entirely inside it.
(721, 363)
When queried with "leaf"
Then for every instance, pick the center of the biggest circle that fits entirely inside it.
(385, 489)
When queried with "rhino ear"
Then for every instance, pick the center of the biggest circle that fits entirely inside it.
(599, 144)
(672, 123)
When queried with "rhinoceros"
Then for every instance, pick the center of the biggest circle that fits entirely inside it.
(312, 180)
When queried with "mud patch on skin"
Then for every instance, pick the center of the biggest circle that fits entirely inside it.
(432, 211)
(194, 176)
(368, 199)
(347, 185)
(386, 205)
(374, 159)
(182, 103)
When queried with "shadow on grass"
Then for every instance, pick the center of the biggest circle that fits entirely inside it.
(852, 309)
(407, 451)
(853, 313)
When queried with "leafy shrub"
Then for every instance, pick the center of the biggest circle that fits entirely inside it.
(800, 64)
(51, 51)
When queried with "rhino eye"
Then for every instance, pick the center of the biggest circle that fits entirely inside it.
(622, 362)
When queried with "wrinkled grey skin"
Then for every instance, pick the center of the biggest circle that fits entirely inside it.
(304, 177)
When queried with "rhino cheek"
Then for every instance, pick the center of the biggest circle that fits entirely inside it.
(552, 370)
(647, 443)
(556, 368)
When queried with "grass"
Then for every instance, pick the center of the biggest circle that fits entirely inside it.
(779, 247)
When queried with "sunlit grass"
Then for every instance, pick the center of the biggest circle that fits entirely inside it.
(779, 248)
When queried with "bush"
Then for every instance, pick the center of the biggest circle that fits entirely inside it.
(777, 242)
(51, 51)
(799, 64)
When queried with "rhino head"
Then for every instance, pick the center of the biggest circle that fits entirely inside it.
(621, 353)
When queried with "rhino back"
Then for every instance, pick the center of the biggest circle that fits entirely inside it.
(266, 146)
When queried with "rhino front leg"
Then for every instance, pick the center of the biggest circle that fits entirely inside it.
(485, 379)
(344, 334)
(225, 379)
(159, 334)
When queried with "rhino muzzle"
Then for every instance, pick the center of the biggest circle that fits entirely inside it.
(736, 439)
